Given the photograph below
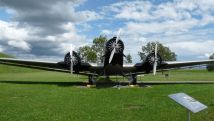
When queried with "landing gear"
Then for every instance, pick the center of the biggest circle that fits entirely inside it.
(107, 78)
(133, 80)
(91, 81)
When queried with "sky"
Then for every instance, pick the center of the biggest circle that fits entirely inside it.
(47, 29)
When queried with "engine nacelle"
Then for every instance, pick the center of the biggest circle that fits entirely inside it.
(110, 45)
(75, 59)
(150, 60)
(118, 55)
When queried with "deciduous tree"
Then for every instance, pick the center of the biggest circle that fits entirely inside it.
(128, 58)
(87, 54)
(98, 46)
(165, 52)
(210, 67)
(95, 52)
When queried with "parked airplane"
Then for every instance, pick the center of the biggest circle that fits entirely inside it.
(113, 63)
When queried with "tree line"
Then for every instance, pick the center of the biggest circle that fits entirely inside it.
(94, 53)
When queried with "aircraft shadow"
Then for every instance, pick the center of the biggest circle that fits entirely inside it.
(99, 85)
(46, 83)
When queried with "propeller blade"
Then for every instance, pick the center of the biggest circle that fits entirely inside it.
(156, 49)
(112, 55)
(71, 57)
(154, 68)
(114, 50)
(155, 63)
(118, 35)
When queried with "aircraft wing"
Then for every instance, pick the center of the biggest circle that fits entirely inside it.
(47, 65)
(179, 64)
(43, 65)
(165, 66)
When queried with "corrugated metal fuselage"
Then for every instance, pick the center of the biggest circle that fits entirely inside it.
(110, 69)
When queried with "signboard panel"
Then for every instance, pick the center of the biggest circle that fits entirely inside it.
(188, 102)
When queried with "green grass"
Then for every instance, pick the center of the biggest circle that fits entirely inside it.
(33, 95)
(181, 75)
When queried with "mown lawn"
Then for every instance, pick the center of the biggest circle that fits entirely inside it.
(181, 75)
(33, 95)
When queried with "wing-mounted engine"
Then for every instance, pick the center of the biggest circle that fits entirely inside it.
(75, 60)
(150, 60)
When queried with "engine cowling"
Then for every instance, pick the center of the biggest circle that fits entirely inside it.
(150, 60)
(75, 59)
(110, 45)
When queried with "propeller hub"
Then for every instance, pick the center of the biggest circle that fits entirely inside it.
(74, 58)
(151, 59)
(111, 44)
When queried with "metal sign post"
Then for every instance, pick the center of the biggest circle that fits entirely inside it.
(188, 115)
(188, 102)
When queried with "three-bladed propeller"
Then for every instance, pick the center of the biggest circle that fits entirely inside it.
(155, 60)
(114, 50)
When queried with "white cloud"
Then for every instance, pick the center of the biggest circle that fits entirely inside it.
(201, 49)
(67, 39)
(89, 15)
(50, 28)
(180, 24)
(15, 39)
(207, 19)
(146, 11)
(106, 32)
(11, 31)
(14, 36)
(43, 28)
(20, 44)
(137, 10)
(161, 27)
(176, 16)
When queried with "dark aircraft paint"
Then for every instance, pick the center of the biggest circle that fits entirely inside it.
(116, 65)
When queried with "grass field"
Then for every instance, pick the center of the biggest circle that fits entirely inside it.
(34, 95)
